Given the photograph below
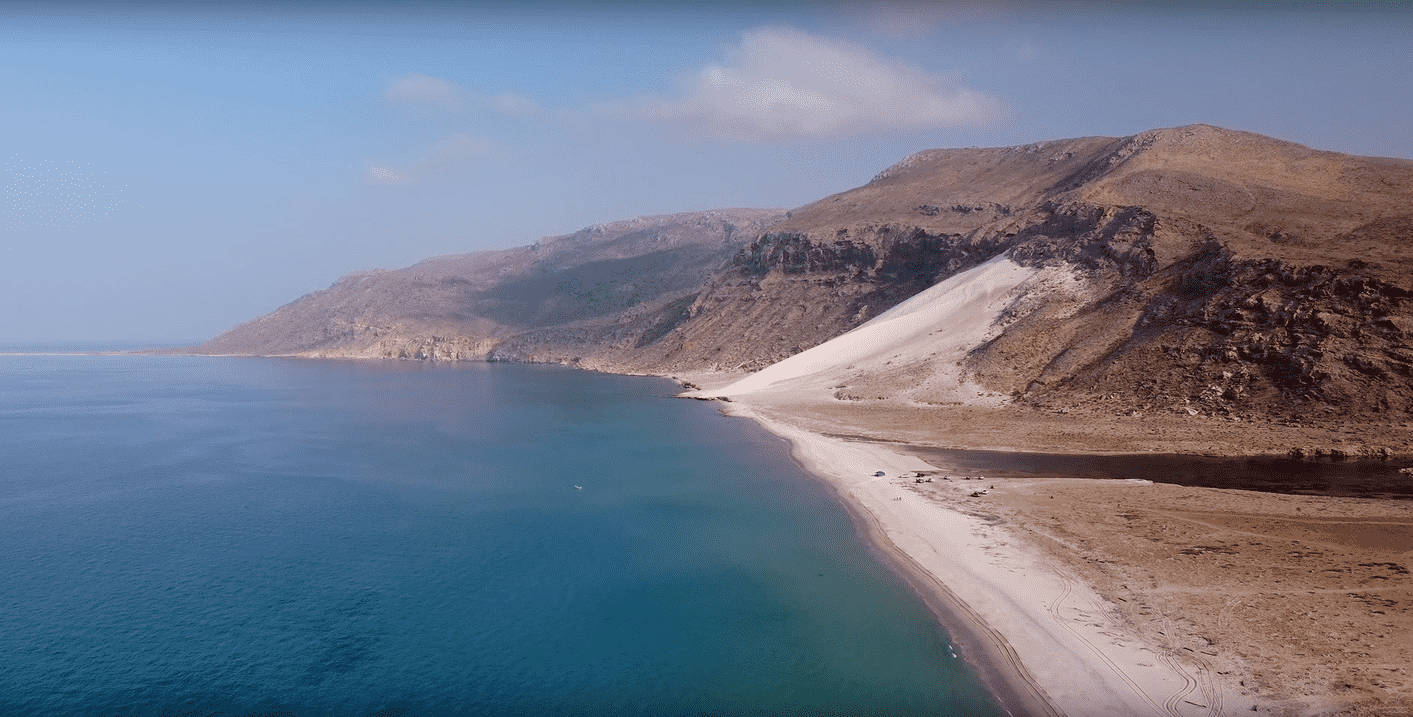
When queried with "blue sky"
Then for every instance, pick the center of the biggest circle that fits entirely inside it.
(173, 169)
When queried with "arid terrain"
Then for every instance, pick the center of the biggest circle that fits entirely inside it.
(1193, 290)
(1194, 270)
(1090, 430)
(1289, 604)
(1302, 604)
(604, 290)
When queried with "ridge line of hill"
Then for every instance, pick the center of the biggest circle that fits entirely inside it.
(1186, 271)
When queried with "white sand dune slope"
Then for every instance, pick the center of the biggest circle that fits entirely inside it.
(909, 351)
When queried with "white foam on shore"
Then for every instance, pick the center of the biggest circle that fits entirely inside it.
(934, 327)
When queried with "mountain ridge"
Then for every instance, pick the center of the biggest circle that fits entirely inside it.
(1187, 290)
(461, 306)
(1191, 270)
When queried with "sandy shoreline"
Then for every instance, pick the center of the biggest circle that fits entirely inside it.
(1044, 642)
(1083, 597)
(1102, 596)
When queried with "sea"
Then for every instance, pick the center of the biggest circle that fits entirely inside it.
(184, 535)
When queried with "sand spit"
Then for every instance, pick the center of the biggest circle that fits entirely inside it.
(1046, 642)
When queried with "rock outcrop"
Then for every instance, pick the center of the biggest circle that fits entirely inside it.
(1221, 273)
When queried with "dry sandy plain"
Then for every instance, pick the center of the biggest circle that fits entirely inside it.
(1288, 604)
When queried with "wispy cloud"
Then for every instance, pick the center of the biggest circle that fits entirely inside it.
(451, 154)
(428, 92)
(54, 194)
(443, 158)
(378, 174)
(434, 93)
(512, 104)
(1028, 51)
(781, 84)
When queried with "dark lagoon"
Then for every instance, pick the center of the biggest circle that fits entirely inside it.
(1347, 478)
(190, 535)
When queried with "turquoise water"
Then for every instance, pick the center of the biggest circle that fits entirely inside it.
(187, 535)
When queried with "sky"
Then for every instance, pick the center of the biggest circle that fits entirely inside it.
(172, 169)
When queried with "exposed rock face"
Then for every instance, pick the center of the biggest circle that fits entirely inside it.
(1224, 272)
(1217, 272)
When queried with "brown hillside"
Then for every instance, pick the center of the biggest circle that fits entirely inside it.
(1230, 273)
(597, 290)
(1225, 273)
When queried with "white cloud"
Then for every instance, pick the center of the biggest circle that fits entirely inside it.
(387, 175)
(782, 84)
(1027, 51)
(451, 154)
(434, 93)
(445, 157)
(429, 92)
(513, 104)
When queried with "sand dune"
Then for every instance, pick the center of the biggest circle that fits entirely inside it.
(915, 344)
(1045, 641)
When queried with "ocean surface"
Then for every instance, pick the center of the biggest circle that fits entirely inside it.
(194, 536)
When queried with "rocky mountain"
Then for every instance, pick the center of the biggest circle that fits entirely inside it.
(1219, 272)
(597, 294)
(1200, 270)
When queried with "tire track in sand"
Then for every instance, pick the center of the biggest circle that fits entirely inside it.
(1210, 691)
(1207, 685)
(1202, 682)
(1170, 706)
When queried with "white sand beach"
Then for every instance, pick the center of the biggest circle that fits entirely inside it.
(1045, 642)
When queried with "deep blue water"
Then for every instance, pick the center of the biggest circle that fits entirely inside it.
(187, 535)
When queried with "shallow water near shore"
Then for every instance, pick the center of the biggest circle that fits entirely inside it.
(1361, 479)
(197, 535)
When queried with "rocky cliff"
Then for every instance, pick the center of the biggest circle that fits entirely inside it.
(1219, 272)
(1213, 271)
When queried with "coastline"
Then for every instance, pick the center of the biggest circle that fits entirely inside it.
(1084, 596)
(1042, 640)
